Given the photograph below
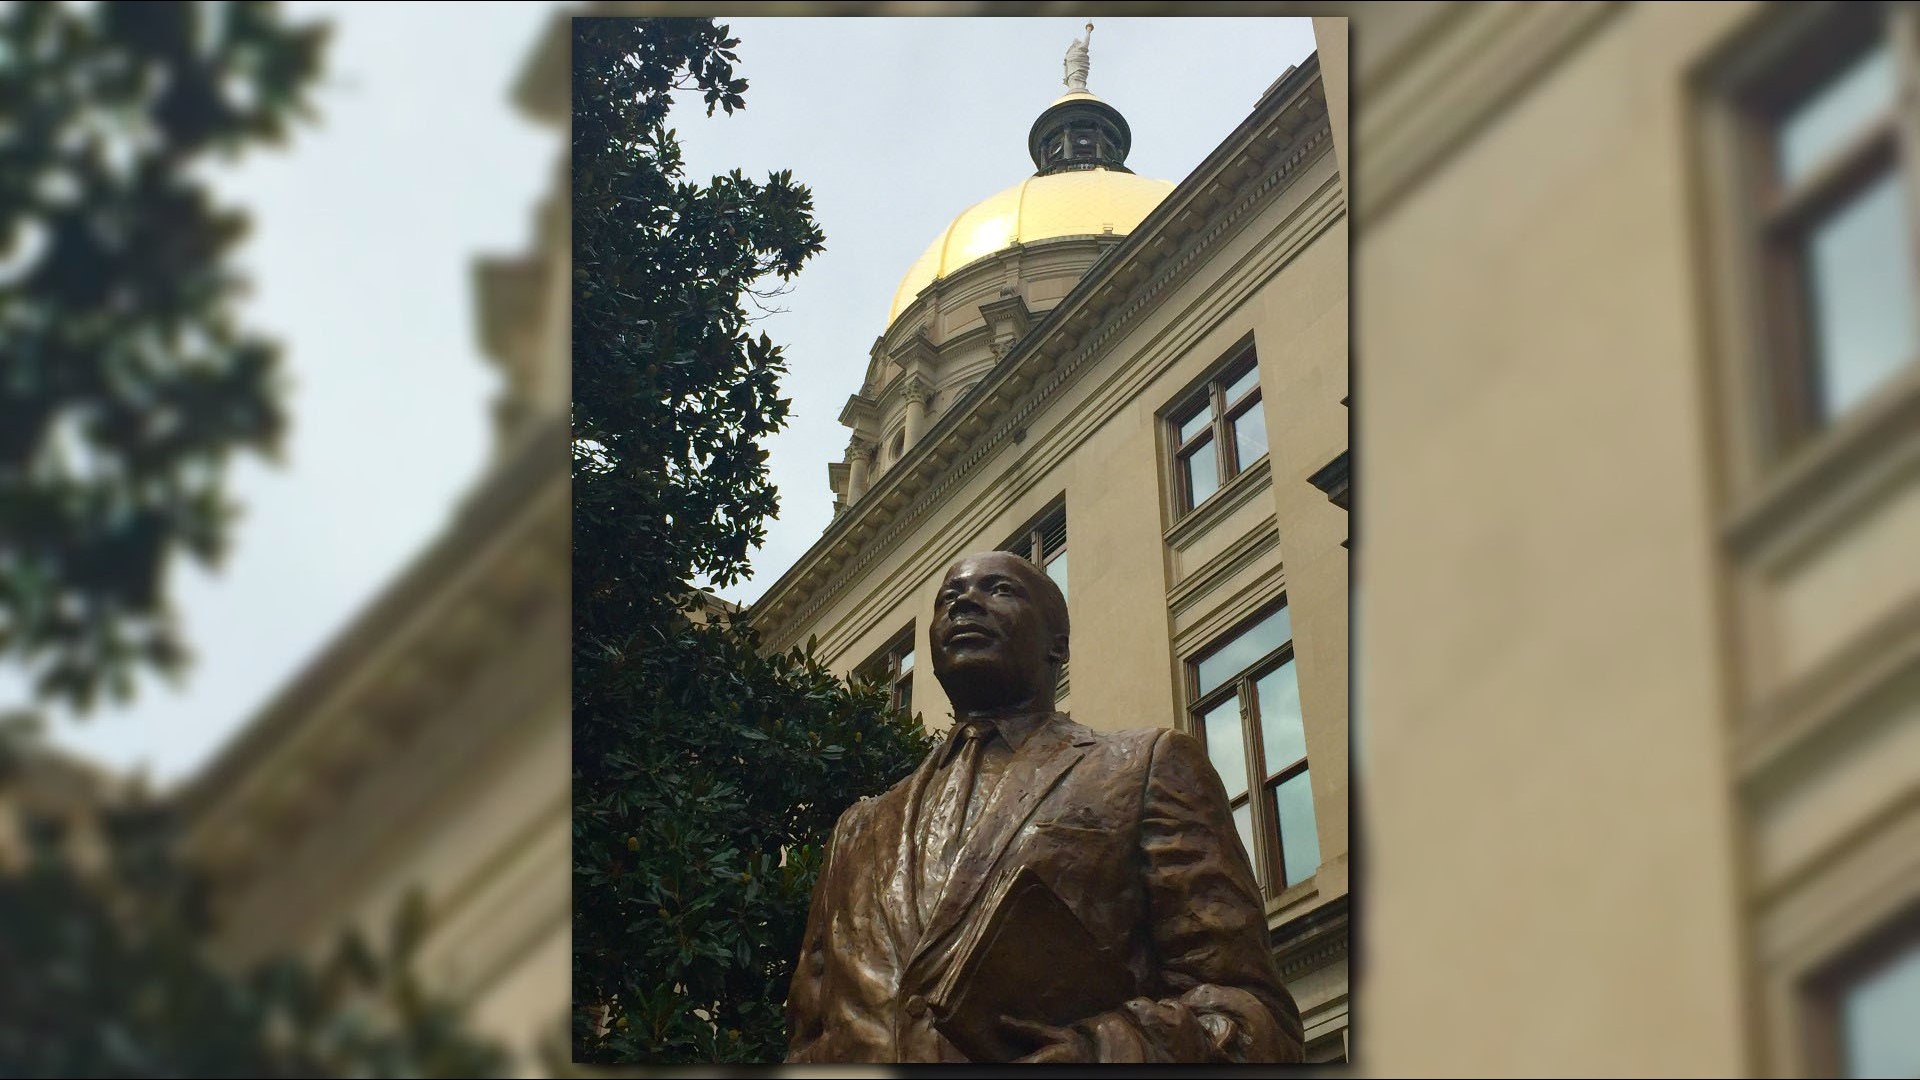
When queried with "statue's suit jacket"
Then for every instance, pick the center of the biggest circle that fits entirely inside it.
(1132, 830)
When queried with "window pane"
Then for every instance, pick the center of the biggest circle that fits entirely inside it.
(1053, 534)
(1299, 842)
(1243, 820)
(1250, 434)
(1862, 294)
(1878, 1016)
(906, 661)
(1057, 570)
(1197, 422)
(903, 697)
(1282, 740)
(1203, 472)
(1225, 746)
(1239, 654)
(1243, 384)
(1836, 112)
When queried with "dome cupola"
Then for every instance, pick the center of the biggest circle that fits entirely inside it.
(992, 274)
(1079, 131)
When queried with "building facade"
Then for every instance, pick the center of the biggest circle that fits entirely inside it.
(1640, 752)
(1142, 387)
(428, 746)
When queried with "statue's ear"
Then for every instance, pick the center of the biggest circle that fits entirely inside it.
(1057, 651)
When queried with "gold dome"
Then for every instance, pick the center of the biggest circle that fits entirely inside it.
(1077, 203)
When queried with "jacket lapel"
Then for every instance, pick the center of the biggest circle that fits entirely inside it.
(1043, 761)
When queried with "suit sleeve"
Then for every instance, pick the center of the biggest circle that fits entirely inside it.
(1209, 931)
(805, 1019)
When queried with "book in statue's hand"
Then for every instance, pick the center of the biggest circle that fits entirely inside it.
(1025, 957)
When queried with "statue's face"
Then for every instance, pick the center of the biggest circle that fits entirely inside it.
(990, 640)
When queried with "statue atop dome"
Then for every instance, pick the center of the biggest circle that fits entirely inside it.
(1076, 62)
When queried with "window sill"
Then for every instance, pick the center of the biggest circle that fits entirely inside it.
(1289, 897)
(1232, 495)
(1799, 495)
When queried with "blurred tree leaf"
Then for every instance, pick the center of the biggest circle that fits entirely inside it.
(127, 384)
(701, 798)
(102, 973)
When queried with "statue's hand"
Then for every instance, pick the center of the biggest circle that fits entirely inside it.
(1052, 1044)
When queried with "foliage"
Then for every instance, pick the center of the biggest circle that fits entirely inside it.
(126, 384)
(102, 974)
(707, 773)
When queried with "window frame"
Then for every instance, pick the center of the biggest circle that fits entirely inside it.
(1780, 218)
(884, 669)
(1823, 993)
(1211, 395)
(1029, 541)
(1269, 858)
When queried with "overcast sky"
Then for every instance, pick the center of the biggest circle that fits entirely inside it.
(367, 228)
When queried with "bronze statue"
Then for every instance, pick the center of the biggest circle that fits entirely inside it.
(1036, 891)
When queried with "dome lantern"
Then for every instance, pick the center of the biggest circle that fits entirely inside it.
(1079, 131)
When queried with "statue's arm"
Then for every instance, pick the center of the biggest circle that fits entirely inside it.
(1209, 930)
(805, 1019)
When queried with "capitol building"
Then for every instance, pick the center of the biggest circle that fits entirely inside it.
(1141, 385)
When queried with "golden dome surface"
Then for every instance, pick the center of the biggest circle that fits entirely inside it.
(1076, 203)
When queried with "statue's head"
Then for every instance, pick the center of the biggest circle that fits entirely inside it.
(999, 633)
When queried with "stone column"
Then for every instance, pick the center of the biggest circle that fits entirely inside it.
(916, 413)
(859, 457)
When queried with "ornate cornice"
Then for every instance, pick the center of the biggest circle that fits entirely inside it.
(1287, 130)
(1332, 479)
(370, 689)
(859, 413)
(1314, 940)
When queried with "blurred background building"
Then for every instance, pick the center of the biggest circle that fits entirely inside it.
(428, 746)
(1136, 384)
(1640, 518)
(1637, 697)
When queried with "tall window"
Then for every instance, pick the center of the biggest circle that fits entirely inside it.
(1246, 709)
(892, 667)
(1218, 431)
(1866, 1005)
(1836, 217)
(1044, 543)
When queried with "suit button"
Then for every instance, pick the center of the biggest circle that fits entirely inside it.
(916, 1006)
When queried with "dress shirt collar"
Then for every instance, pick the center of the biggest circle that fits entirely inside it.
(1015, 729)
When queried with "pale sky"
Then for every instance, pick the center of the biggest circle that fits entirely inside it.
(367, 228)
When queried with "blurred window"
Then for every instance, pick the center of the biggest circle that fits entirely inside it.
(1837, 214)
(1246, 711)
(1867, 1006)
(1218, 431)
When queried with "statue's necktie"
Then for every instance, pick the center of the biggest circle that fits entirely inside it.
(945, 823)
(963, 773)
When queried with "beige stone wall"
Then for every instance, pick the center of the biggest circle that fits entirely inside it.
(1639, 730)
